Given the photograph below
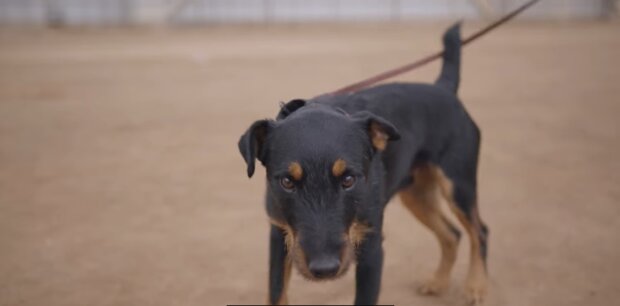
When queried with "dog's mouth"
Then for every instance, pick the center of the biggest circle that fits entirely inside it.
(320, 270)
(327, 269)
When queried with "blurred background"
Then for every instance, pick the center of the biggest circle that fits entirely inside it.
(121, 184)
(131, 12)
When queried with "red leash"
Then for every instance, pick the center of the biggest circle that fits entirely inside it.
(411, 66)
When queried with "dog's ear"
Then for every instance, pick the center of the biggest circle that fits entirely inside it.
(251, 144)
(289, 107)
(379, 130)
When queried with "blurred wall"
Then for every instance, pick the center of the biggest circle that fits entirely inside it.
(113, 12)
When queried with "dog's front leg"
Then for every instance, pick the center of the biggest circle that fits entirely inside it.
(368, 270)
(279, 267)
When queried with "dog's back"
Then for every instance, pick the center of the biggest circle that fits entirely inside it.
(428, 116)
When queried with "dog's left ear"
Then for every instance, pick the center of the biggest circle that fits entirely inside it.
(379, 130)
(252, 143)
(289, 107)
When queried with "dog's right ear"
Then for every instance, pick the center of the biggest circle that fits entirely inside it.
(380, 130)
(251, 144)
(289, 107)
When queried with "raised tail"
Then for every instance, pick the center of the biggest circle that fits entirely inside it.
(450, 70)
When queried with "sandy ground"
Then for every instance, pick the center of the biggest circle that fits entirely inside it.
(121, 184)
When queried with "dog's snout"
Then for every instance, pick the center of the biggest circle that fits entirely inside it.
(324, 267)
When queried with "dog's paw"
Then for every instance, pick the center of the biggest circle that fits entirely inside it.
(475, 293)
(434, 286)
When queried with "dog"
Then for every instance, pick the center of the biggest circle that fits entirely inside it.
(334, 161)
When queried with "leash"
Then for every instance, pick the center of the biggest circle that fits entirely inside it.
(411, 66)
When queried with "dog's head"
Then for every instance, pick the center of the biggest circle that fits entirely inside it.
(317, 161)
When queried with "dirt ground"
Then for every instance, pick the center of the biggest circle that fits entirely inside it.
(121, 183)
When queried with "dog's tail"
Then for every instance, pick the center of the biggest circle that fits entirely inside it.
(450, 70)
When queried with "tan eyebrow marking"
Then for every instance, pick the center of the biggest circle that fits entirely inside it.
(295, 170)
(339, 167)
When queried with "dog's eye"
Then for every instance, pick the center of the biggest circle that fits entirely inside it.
(287, 184)
(348, 181)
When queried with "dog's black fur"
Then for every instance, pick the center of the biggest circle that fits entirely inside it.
(325, 215)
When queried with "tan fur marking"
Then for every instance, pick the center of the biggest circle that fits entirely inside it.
(295, 170)
(296, 256)
(299, 258)
(289, 236)
(278, 224)
(357, 232)
(476, 282)
(283, 300)
(378, 136)
(423, 200)
(295, 253)
(339, 167)
(445, 184)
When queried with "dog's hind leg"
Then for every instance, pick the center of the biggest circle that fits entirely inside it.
(422, 199)
(458, 184)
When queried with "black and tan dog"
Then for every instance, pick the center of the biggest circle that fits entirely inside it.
(333, 163)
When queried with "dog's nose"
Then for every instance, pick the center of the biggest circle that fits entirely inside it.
(326, 267)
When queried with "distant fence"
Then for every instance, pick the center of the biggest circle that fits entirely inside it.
(121, 12)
